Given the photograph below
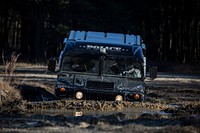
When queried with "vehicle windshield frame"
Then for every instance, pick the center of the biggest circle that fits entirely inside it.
(105, 63)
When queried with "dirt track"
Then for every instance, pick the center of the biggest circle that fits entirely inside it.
(174, 102)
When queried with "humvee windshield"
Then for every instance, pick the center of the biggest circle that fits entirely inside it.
(122, 66)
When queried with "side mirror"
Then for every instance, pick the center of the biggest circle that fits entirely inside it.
(52, 64)
(153, 72)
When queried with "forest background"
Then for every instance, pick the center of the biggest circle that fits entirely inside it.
(36, 28)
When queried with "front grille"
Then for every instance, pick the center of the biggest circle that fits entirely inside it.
(96, 85)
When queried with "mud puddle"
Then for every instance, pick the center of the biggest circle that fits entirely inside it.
(79, 118)
(128, 113)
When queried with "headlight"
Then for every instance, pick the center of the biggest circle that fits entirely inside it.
(62, 89)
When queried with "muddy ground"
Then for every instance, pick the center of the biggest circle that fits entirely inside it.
(172, 105)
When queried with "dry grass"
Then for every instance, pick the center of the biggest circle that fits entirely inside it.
(8, 93)
(9, 67)
(10, 98)
(29, 65)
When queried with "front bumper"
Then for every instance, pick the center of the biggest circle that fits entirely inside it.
(91, 94)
